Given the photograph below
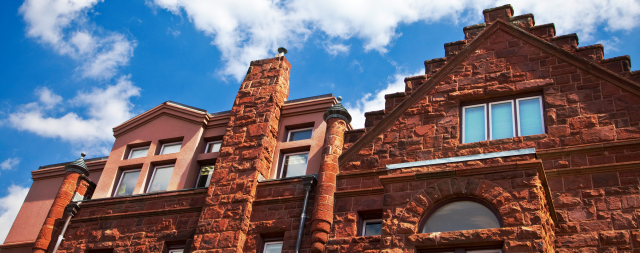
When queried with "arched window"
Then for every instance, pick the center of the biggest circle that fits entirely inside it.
(461, 215)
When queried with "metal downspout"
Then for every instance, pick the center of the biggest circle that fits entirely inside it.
(72, 210)
(308, 187)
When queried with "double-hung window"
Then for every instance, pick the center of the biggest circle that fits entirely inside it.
(160, 178)
(371, 227)
(127, 183)
(205, 176)
(300, 134)
(138, 152)
(213, 146)
(272, 247)
(170, 148)
(294, 164)
(502, 119)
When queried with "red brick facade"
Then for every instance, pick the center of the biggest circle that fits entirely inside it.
(577, 191)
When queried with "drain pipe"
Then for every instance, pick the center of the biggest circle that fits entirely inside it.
(71, 210)
(309, 184)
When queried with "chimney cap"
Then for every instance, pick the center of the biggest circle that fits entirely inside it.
(282, 50)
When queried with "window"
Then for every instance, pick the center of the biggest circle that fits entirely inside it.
(300, 134)
(170, 148)
(160, 178)
(503, 119)
(176, 251)
(272, 247)
(294, 164)
(461, 215)
(205, 176)
(371, 227)
(127, 183)
(213, 146)
(138, 152)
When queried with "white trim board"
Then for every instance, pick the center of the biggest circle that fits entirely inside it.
(462, 158)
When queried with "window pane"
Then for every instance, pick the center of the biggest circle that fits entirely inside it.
(295, 165)
(373, 228)
(176, 251)
(474, 124)
(136, 153)
(214, 147)
(160, 180)
(300, 135)
(501, 121)
(127, 183)
(461, 215)
(171, 148)
(530, 116)
(273, 247)
(205, 176)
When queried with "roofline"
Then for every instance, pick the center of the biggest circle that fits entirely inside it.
(65, 163)
(388, 120)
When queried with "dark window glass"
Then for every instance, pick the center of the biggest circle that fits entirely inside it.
(205, 176)
(461, 215)
(372, 227)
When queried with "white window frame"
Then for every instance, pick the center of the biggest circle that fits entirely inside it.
(155, 168)
(115, 193)
(170, 143)
(206, 148)
(513, 118)
(464, 118)
(264, 247)
(176, 251)
(541, 111)
(284, 158)
(364, 225)
(298, 130)
(138, 148)
(208, 177)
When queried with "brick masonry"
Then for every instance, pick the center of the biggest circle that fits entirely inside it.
(580, 191)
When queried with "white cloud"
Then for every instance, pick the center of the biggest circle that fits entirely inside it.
(105, 108)
(47, 98)
(374, 102)
(9, 208)
(357, 65)
(9, 163)
(245, 30)
(335, 49)
(610, 45)
(63, 25)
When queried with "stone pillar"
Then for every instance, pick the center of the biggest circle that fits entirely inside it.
(247, 152)
(77, 173)
(337, 119)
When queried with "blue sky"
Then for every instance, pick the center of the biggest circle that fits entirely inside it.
(73, 69)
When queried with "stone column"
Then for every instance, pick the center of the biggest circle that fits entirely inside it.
(247, 152)
(337, 118)
(77, 172)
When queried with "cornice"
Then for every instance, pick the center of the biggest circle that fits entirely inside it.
(54, 172)
(164, 109)
(13, 245)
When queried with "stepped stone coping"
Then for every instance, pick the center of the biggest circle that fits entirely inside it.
(552, 25)
(435, 60)
(635, 72)
(617, 58)
(355, 131)
(459, 42)
(395, 95)
(476, 26)
(498, 8)
(379, 112)
(567, 36)
(590, 47)
(462, 158)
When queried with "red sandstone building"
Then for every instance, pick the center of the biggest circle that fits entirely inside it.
(517, 140)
